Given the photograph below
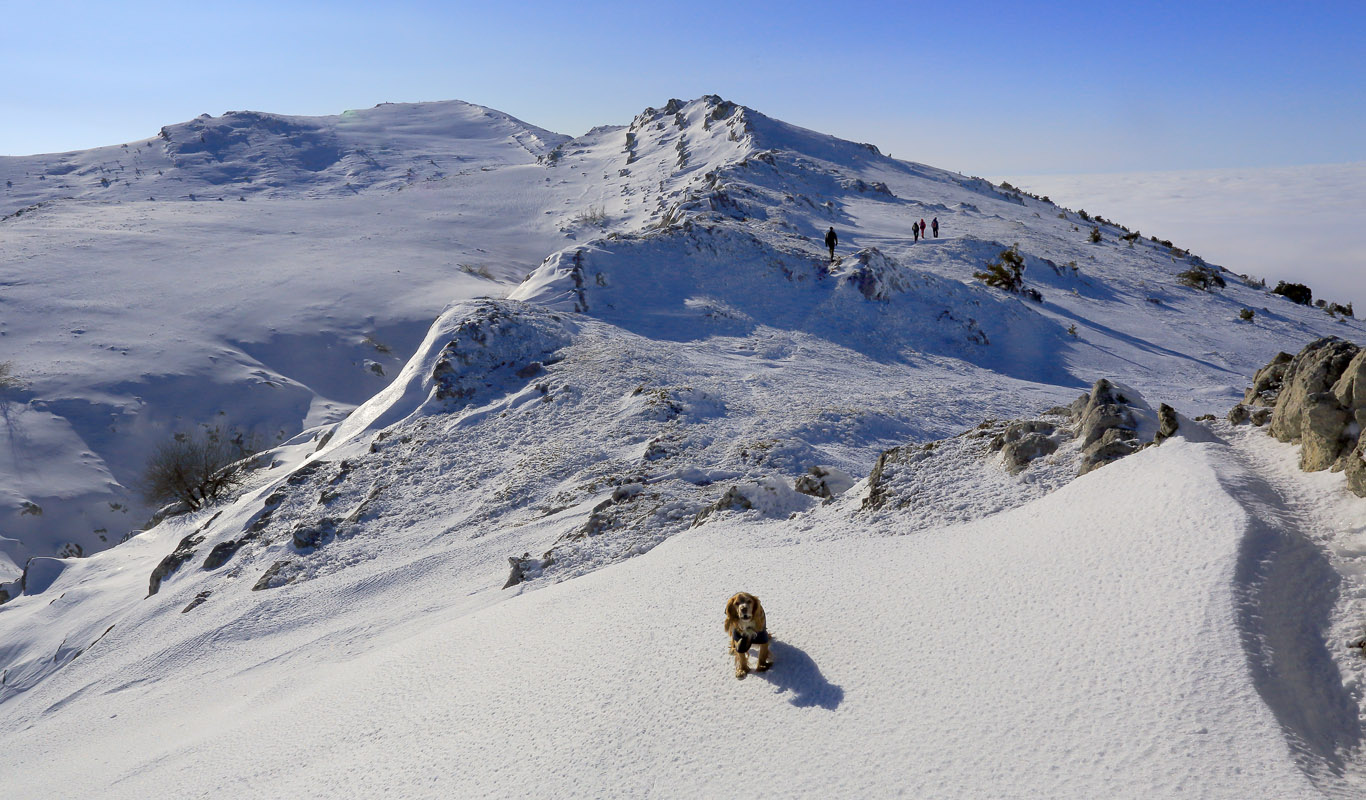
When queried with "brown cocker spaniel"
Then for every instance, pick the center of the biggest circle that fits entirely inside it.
(746, 625)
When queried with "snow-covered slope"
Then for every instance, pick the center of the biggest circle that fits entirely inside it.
(641, 350)
(1095, 643)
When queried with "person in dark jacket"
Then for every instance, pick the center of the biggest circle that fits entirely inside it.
(915, 231)
(934, 226)
(830, 241)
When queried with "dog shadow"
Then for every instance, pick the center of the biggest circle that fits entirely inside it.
(794, 671)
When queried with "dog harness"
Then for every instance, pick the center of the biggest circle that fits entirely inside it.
(743, 642)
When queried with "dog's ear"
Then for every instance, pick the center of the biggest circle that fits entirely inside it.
(732, 616)
(760, 621)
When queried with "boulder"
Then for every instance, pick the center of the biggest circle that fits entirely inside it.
(221, 552)
(1167, 423)
(1322, 430)
(1309, 381)
(1350, 389)
(734, 498)
(308, 535)
(278, 574)
(1104, 409)
(1238, 414)
(1266, 384)
(823, 482)
(172, 562)
(1019, 453)
(1113, 444)
(524, 568)
(1356, 468)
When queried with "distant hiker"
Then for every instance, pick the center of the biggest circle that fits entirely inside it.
(915, 231)
(922, 227)
(934, 226)
(830, 241)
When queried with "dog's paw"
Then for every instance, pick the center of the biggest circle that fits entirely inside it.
(763, 666)
(740, 674)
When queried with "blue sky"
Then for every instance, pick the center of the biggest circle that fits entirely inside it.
(985, 88)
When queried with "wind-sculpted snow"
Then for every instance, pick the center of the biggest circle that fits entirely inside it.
(700, 281)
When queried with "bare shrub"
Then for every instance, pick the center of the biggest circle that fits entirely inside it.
(196, 468)
(595, 216)
(477, 270)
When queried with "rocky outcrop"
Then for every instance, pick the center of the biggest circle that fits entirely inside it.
(733, 499)
(525, 568)
(1167, 423)
(1023, 441)
(1106, 425)
(1257, 415)
(279, 574)
(1266, 384)
(1308, 410)
(823, 482)
(182, 553)
(1319, 403)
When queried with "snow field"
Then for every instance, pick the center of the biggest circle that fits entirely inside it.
(1087, 644)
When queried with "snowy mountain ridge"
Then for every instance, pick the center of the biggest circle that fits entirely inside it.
(683, 396)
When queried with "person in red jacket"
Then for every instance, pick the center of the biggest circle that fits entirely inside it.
(922, 226)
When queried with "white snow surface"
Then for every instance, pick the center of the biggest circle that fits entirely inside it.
(1095, 643)
(639, 348)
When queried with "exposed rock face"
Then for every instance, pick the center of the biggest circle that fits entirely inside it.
(1266, 384)
(221, 552)
(1257, 415)
(1320, 404)
(1024, 441)
(1167, 423)
(1106, 426)
(524, 568)
(732, 499)
(1308, 410)
(278, 574)
(1350, 390)
(182, 553)
(1356, 468)
(823, 482)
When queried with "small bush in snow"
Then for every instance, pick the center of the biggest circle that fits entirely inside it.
(196, 469)
(1246, 315)
(478, 270)
(1202, 278)
(1295, 292)
(1332, 308)
(595, 215)
(1005, 274)
(1095, 235)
